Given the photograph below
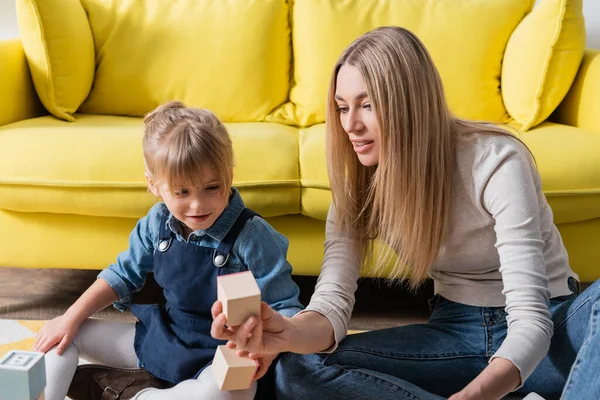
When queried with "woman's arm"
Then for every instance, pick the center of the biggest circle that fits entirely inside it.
(322, 324)
(498, 379)
(511, 193)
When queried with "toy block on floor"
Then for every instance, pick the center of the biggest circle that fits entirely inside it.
(240, 296)
(22, 375)
(231, 371)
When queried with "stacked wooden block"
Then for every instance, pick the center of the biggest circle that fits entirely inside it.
(240, 296)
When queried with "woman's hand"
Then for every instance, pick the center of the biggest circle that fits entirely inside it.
(264, 363)
(270, 334)
(499, 378)
(60, 330)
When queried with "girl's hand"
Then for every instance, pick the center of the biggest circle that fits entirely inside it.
(269, 334)
(60, 330)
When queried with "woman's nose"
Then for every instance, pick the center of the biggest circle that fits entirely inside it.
(352, 122)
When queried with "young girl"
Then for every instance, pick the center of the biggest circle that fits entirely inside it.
(458, 201)
(199, 231)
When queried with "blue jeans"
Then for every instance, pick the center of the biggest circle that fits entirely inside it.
(438, 359)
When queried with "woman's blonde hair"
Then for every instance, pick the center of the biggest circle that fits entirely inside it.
(180, 141)
(403, 201)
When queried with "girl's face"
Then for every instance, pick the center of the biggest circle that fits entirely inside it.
(357, 116)
(196, 207)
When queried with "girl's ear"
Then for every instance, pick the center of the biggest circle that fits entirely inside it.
(151, 186)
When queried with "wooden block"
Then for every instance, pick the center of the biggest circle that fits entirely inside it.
(231, 371)
(22, 375)
(240, 296)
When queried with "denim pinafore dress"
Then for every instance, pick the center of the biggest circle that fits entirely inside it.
(173, 341)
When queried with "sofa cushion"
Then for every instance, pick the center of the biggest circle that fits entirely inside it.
(542, 59)
(58, 42)
(232, 57)
(316, 195)
(567, 159)
(466, 39)
(580, 106)
(94, 166)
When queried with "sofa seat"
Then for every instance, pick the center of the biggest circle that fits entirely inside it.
(94, 167)
(567, 159)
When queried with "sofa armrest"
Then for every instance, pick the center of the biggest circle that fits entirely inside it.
(581, 105)
(18, 99)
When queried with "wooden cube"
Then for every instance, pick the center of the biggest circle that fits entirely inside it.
(240, 295)
(22, 375)
(231, 371)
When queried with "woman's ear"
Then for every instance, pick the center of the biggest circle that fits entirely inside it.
(151, 185)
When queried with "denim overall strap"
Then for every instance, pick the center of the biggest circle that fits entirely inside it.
(222, 252)
(165, 237)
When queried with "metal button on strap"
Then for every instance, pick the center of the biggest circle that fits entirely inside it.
(219, 260)
(163, 245)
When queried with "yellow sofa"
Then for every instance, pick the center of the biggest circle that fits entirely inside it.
(74, 86)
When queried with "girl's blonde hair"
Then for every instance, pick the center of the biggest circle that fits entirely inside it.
(404, 200)
(180, 141)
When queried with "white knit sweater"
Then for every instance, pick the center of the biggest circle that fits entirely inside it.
(502, 249)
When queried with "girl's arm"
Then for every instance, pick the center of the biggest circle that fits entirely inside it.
(97, 297)
(62, 329)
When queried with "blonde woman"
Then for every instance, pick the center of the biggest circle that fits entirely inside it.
(457, 201)
(200, 230)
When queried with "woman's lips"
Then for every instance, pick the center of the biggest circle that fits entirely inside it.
(363, 146)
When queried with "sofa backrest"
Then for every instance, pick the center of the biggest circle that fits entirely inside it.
(466, 39)
(231, 56)
(271, 60)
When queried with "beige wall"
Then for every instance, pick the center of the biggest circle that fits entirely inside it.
(8, 20)
(591, 9)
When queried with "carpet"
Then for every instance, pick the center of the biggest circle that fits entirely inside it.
(18, 334)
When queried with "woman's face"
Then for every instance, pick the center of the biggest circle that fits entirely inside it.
(357, 116)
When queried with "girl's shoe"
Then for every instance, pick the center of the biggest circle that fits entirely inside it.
(100, 382)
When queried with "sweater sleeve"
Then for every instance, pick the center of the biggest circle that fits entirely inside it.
(334, 293)
(512, 195)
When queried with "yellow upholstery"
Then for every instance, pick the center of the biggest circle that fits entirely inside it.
(70, 192)
(582, 104)
(573, 190)
(18, 99)
(86, 242)
(458, 34)
(316, 196)
(230, 56)
(104, 175)
(568, 161)
(541, 60)
(58, 42)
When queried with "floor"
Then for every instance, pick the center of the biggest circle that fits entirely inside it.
(45, 293)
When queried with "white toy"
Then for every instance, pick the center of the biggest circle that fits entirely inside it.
(231, 371)
(22, 375)
(240, 295)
